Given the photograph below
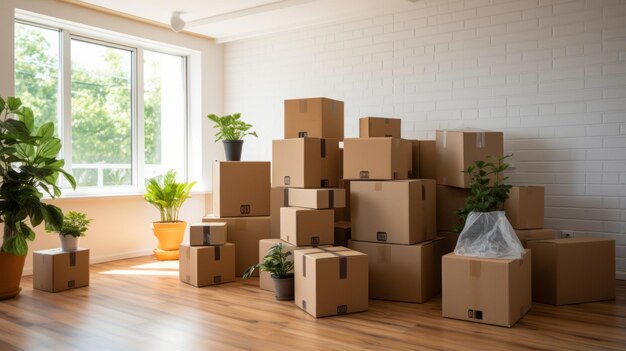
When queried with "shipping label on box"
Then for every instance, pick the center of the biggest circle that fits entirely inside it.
(314, 198)
(486, 290)
(241, 189)
(449, 200)
(525, 207)
(526, 235)
(207, 265)
(377, 158)
(305, 163)
(303, 226)
(331, 281)
(56, 270)
(372, 127)
(203, 234)
(314, 117)
(395, 212)
(427, 159)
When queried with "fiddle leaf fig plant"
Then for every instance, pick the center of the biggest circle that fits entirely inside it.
(276, 262)
(28, 167)
(231, 127)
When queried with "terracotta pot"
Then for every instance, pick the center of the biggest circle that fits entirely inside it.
(11, 267)
(68, 242)
(169, 237)
(283, 287)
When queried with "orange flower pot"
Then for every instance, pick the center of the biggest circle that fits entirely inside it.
(169, 237)
(11, 267)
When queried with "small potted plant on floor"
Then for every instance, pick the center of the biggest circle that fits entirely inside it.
(168, 196)
(75, 224)
(277, 263)
(231, 131)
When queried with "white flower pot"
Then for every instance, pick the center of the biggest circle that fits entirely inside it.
(68, 242)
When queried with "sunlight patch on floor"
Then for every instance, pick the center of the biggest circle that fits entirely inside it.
(158, 268)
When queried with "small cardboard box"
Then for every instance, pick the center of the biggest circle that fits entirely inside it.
(265, 279)
(524, 208)
(459, 149)
(373, 127)
(486, 290)
(314, 198)
(343, 233)
(428, 159)
(449, 200)
(330, 281)
(277, 200)
(415, 159)
(314, 117)
(377, 158)
(245, 233)
(206, 265)
(395, 212)
(343, 214)
(526, 235)
(56, 270)
(569, 271)
(241, 188)
(304, 226)
(305, 163)
(407, 273)
(204, 234)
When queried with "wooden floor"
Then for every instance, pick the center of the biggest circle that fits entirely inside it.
(139, 304)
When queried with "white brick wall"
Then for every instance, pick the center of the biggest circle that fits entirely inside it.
(551, 74)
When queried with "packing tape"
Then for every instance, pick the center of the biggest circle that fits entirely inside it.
(323, 148)
(218, 253)
(286, 198)
(475, 268)
(444, 139)
(475, 286)
(378, 186)
(423, 192)
(331, 199)
(72, 259)
(384, 254)
(206, 235)
(343, 261)
(480, 140)
(303, 106)
(387, 120)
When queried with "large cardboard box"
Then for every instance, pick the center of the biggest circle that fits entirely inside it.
(526, 235)
(202, 234)
(314, 117)
(245, 233)
(56, 270)
(486, 290)
(569, 271)
(407, 273)
(305, 163)
(277, 200)
(524, 207)
(343, 233)
(330, 281)
(459, 149)
(395, 212)
(449, 200)
(241, 188)
(304, 226)
(373, 127)
(415, 159)
(314, 198)
(206, 265)
(428, 159)
(377, 158)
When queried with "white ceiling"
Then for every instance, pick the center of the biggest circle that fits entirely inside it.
(283, 16)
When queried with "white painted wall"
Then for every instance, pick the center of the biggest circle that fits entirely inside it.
(551, 74)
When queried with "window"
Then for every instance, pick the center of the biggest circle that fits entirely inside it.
(120, 110)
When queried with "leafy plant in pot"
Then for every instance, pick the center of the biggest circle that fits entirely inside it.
(28, 167)
(231, 132)
(277, 263)
(75, 224)
(168, 196)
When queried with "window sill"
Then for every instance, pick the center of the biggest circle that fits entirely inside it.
(107, 193)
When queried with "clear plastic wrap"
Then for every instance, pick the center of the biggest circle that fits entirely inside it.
(489, 235)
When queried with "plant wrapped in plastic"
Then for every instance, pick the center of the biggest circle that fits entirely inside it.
(489, 235)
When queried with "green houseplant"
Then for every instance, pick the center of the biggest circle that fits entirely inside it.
(277, 263)
(168, 196)
(75, 224)
(28, 168)
(231, 131)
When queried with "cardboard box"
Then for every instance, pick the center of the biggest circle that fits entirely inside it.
(277, 200)
(526, 235)
(304, 226)
(265, 279)
(343, 214)
(395, 212)
(330, 281)
(314, 198)
(57, 270)
(340, 162)
(241, 188)
(524, 208)
(305, 163)
(486, 290)
(203, 234)
(449, 200)
(206, 265)
(407, 273)
(459, 149)
(428, 159)
(245, 233)
(377, 158)
(415, 159)
(373, 127)
(314, 117)
(343, 233)
(569, 271)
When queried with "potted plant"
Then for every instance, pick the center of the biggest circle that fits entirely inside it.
(277, 263)
(231, 132)
(75, 224)
(168, 195)
(28, 168)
